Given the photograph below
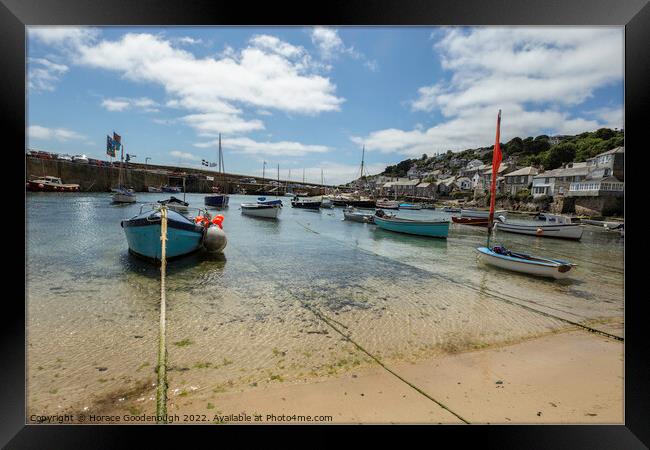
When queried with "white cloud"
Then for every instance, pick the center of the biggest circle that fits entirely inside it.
(249, 146)
(331, 46)
(184, 155)
(38, 132)
(535, 75)
(122, 103)
(188, 40)
(268, 74)
(62, 35)
(43, 74)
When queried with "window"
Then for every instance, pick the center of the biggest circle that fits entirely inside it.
(547, 180)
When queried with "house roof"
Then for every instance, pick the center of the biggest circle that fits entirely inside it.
(489, 171)
(404, 183)
(524, 171)
(424, 185)
(577, 169)
(609, 152)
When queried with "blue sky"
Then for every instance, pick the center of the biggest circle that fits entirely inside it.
(310, 98)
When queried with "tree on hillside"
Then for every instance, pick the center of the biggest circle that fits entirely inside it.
(558, 155)
(534, 147)
(604, 133)
(514, 146)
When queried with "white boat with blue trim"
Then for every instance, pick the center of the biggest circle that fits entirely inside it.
(265, 210)
(520, 262)
(555, 226)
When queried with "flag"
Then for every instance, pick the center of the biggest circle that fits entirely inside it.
(110, 147)
(496, 162)
(117, 138)
(204, 163)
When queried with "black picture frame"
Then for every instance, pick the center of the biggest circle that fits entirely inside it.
(633, 14)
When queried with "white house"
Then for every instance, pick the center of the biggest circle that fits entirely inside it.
(558, 181)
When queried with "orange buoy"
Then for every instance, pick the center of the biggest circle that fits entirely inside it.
(218, 220)
(539, 232)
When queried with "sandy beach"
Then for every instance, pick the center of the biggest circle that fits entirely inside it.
(570, 377)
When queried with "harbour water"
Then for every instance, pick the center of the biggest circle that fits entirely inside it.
(282, 304)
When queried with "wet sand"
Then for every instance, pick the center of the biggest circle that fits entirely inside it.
(570, 377)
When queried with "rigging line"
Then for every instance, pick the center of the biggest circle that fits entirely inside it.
(347, 337)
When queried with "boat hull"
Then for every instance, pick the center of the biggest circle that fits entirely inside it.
(354, 203)
(217, 201)
(143, 235)
(264, 211)
(388, 205)
(416, 227)
(306, 205)
(564, 231)
(123, 198)
(154, 189)
(474, 221)
(358, 217)
(39, 186)
(556, 269)
(409, 206)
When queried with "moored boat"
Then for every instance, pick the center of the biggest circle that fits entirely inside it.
(520, 262)
(184, 236)
(264, 201)
(410, 206)
(154, 189)
(470, 221)
(305, 203)
(387, 204)
(175, 204)
(268, 211)
(554, 226)
(51, 184)
(516, 261)
(217, 201)
(354, 215)
(431, 228)
(172, 189)
(123, 195)
(449, 209)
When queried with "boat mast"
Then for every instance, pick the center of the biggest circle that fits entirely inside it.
(278, 186)
(496, 162)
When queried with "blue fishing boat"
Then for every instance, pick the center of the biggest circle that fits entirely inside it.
(143, 234)
(217, 200)
(432, 228)
(410, 206)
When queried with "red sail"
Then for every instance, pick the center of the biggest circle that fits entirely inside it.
(496, 162)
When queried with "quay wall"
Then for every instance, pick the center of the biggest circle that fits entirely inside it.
(93, 178)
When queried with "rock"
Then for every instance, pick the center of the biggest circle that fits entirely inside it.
(101, 369)
(498, 382)
(539, 413)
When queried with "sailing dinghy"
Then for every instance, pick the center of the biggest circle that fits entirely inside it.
(499, 256)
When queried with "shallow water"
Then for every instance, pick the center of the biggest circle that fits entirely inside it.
(258, 313)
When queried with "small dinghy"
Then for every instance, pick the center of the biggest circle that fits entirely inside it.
(352, 214)
(175, 204)
(184, 236)
(501, 257)
(431, 228)
(267, 211)
(474, 221)
(520, 262)
(387, 204)
(481, 214)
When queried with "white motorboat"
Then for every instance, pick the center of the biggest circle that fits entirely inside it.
(554, 226)
(478, 213)
(268, 211)
(520, 262)
(326, 202)
(154, 189)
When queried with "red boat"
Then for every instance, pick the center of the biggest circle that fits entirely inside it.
(51, 184)
(478, 222)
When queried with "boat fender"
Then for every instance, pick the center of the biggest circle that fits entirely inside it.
(539, 232)
(214, 239)
(202, 221)
(40, 185)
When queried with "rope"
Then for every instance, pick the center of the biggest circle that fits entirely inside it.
(161, 390)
